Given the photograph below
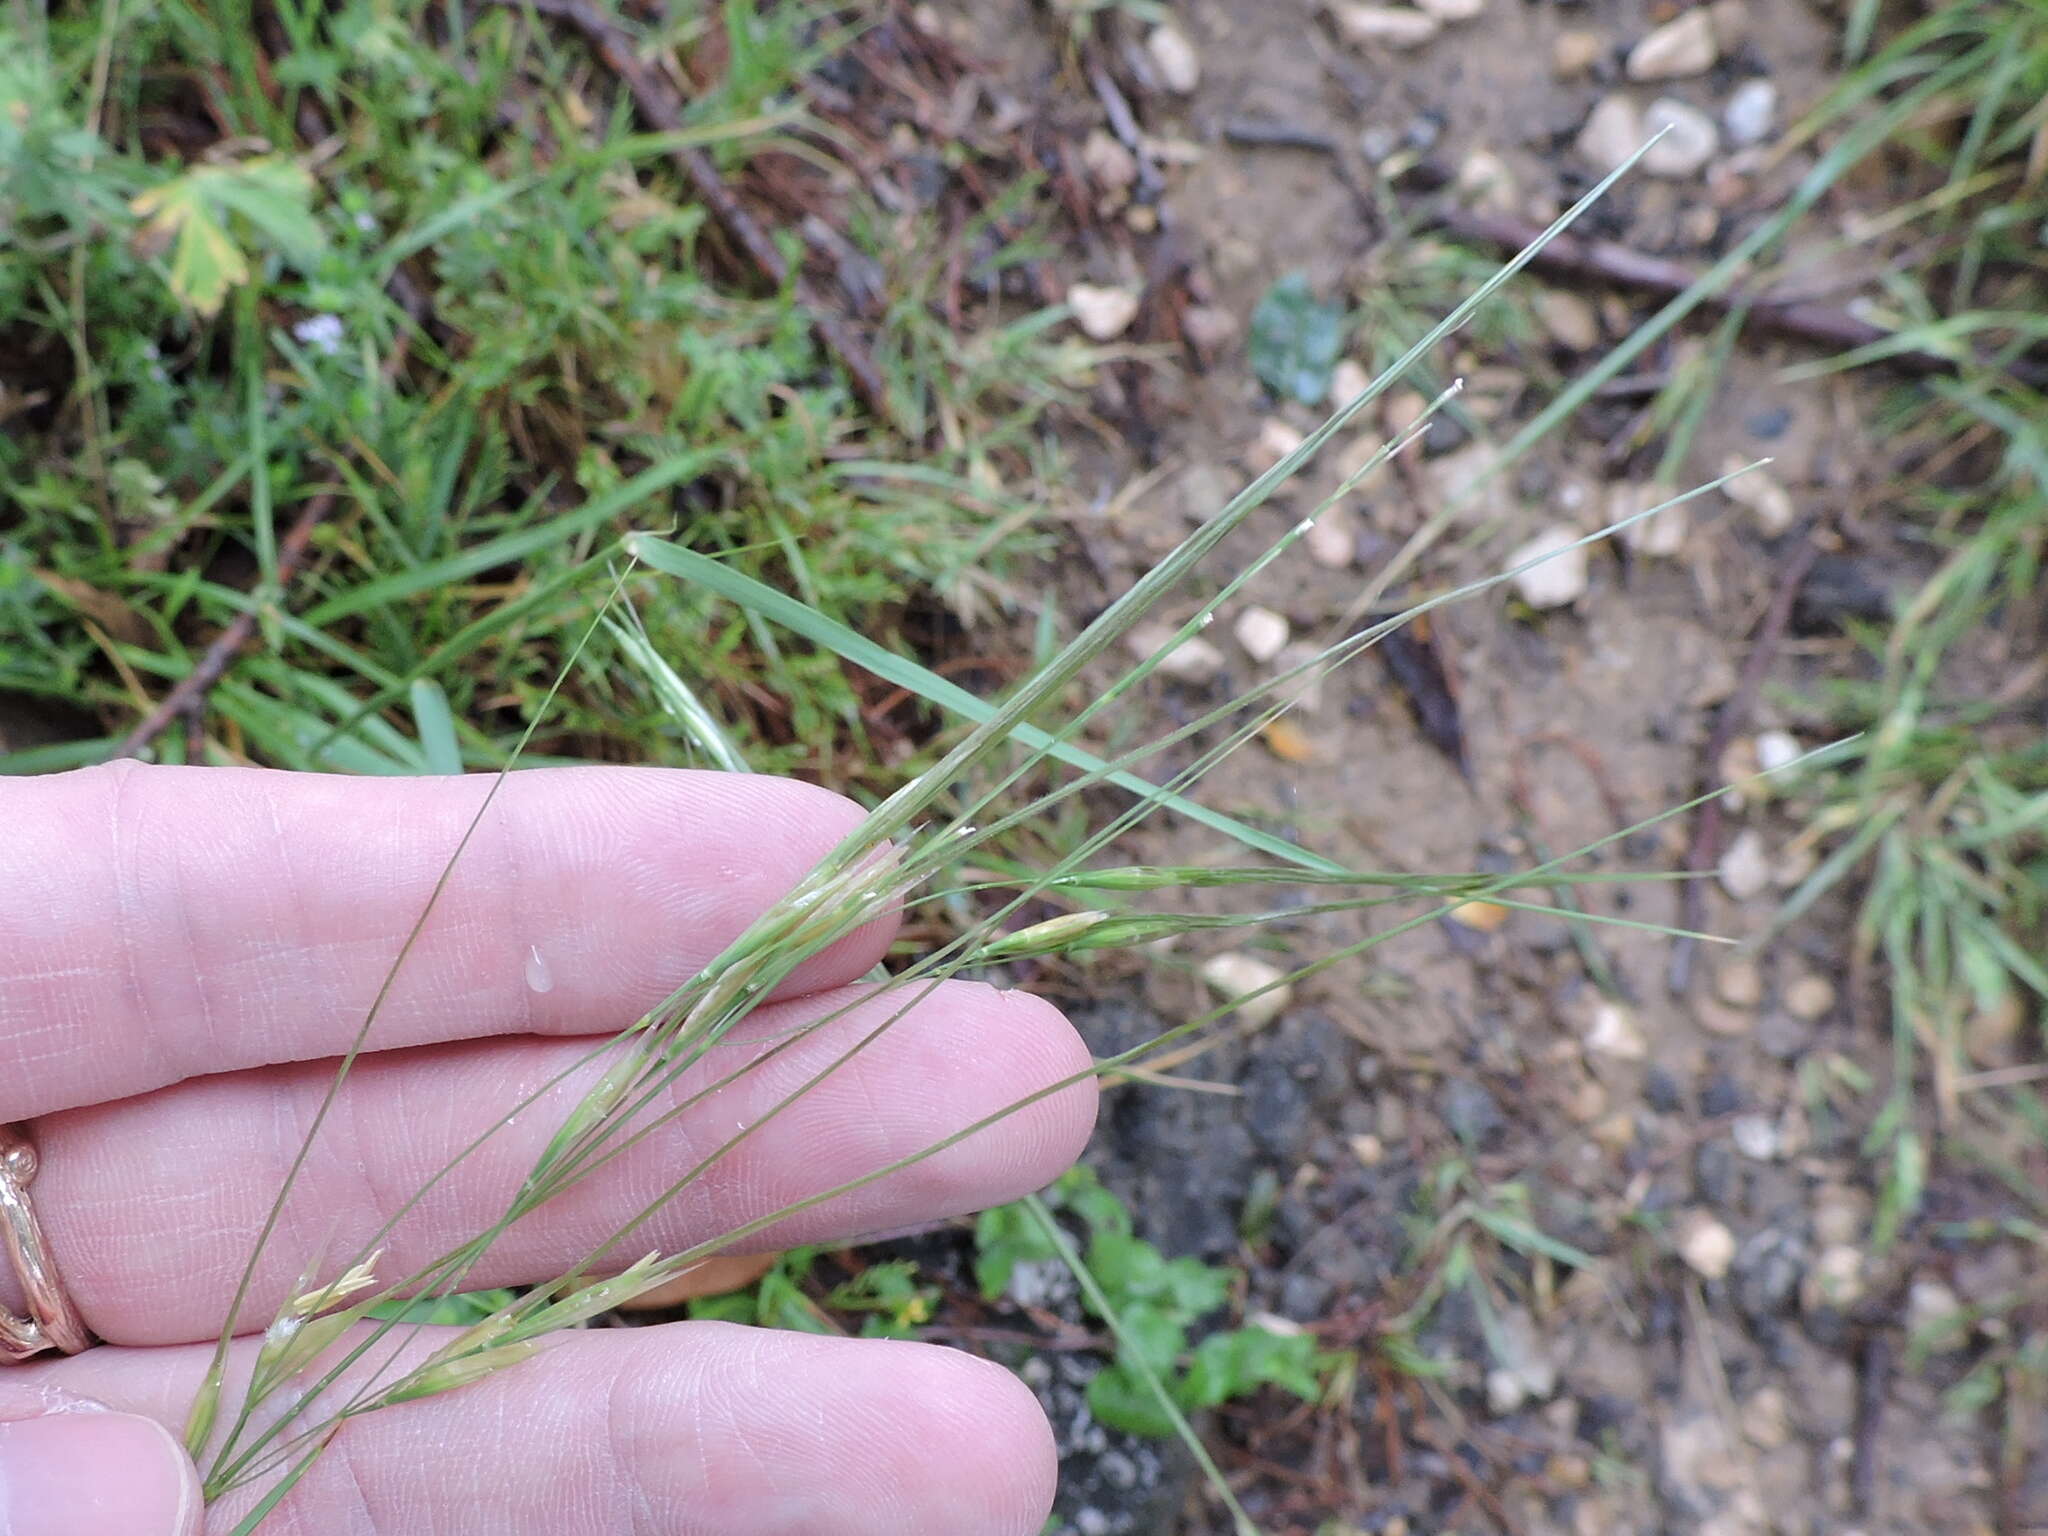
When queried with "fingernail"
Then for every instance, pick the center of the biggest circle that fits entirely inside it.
(95, 1474)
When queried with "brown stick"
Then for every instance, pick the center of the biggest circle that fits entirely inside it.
(188, 698)
(663, 108)
(1606, 262)
(1706, 836)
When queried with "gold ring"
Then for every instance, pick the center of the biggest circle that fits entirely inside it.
(53, 1322)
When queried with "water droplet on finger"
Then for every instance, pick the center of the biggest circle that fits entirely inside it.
(538, 977)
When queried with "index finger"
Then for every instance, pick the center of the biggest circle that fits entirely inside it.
(160, 923)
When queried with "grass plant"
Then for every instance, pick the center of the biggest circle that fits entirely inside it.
(209, 344)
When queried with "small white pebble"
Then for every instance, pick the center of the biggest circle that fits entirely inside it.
(1768, 501)
(1102, 313)
(1179, 66)
(1684, 45)
(1745, 869)
(1750, 112)
(1809, 997)
(1392, 26)
(1614, 1032)
(1755, 1137)
(1236, 976)
(1613, 132)
(1348, 380)
(1559, 577)
(1705, 1243)
(1689, 141)
(1262, 632)
(1193, 660)
(1776, 749)
(1835, 1280)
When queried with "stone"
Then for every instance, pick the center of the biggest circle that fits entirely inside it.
(1777, 750)
(1303, 692)
(1767, 501)
(1684, 45)
(1767, 1271)
(1193, 660)
(1704, 1242)
(1613, 1031)
(1235, 977)
(1384, 25)
(1348, 380)
(1767, 1419)
(1617, 1133)
(1751, 113)
(1573, 323)
(1524, 1370)
(1276, 440)
(1809, 997)
(1368, 1149)
(1472, 1113)
(1209, 326)
(1113, 168)
(1835, 1282)
(1720, 1095)
(1658, 537)
(1689, 142)
(1933, 1316)
(1179, 66)
(1745, 869)
(1485, 179)
(1755, 1137)
(1567, 1472)
(1575, 53)
(1332, 541)
(1739, 982)
(1102, 313)
(1840, 1214)
(1613, 131)
(1718, 1018)
(1262, 632)
(1559, 576)
(1452, 10)
(1586, 1102)
(1401, 410)
(1783, 1037)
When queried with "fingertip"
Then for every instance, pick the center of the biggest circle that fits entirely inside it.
(1065, 1120)
(986, 1455)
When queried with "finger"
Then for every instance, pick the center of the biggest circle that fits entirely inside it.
(160, 923)
(695, 1429)
(152, 1206)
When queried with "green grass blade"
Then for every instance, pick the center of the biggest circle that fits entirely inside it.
(852, 646)
(435, 723)
(513, 547)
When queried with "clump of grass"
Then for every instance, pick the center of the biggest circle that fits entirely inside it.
(1939, 814)
(481, 310)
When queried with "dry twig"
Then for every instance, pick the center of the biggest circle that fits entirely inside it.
(188, 698)
(662, 107)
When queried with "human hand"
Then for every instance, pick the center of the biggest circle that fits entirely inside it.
(184, 952)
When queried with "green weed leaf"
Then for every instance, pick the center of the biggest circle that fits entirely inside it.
(1118, 1397)
(191, 214)
(1228, 1365)
(1295, 340)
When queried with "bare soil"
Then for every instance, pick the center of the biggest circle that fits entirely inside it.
(1643, 1395)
